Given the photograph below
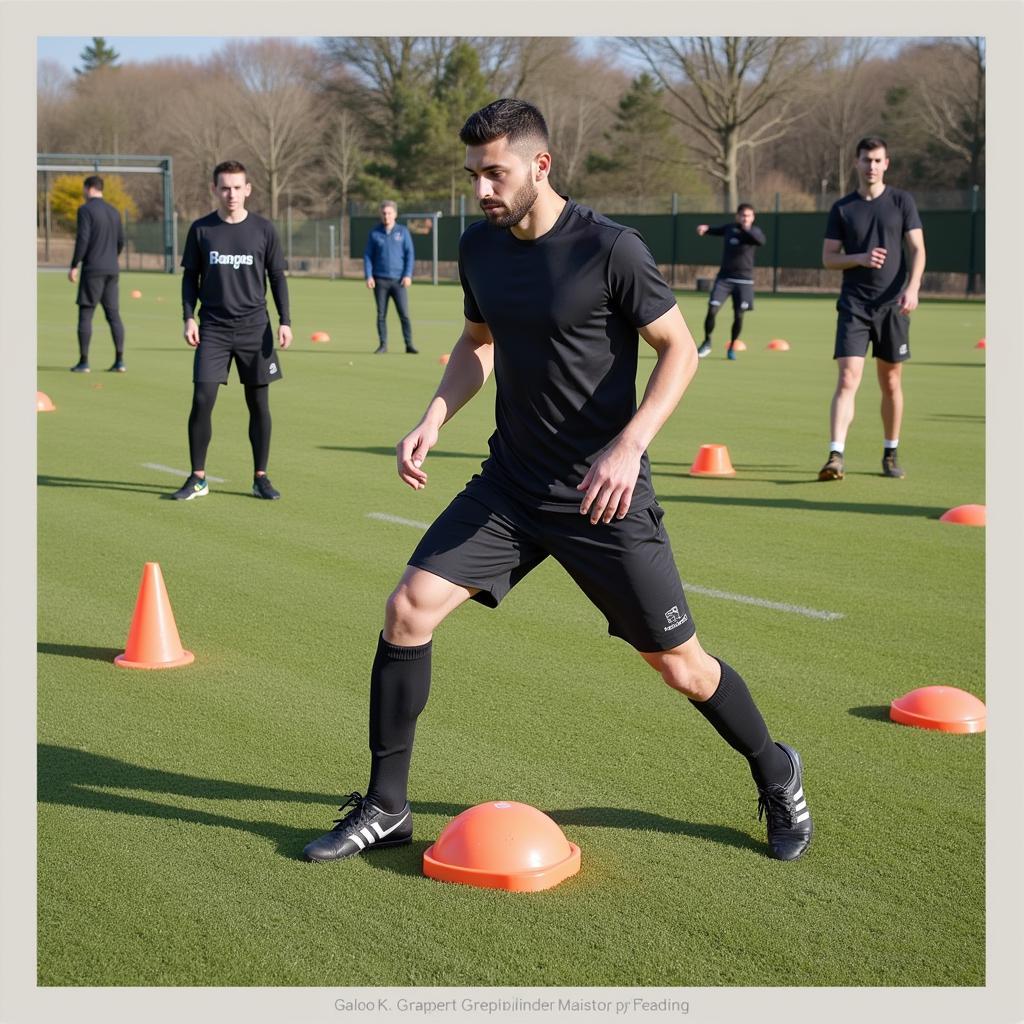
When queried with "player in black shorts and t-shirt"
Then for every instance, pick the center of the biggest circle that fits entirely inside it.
(735, 277)
(229, 256)
(865, 239)
(555, 297)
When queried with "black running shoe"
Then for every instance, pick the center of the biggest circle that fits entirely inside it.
(833, 469)
(412, 350)
(890, 465)
(704, 350)
(380, 350)
(194, 487)
(81, 367)
(118, 367)
(789, 820)
(364, 826)
(263, 488)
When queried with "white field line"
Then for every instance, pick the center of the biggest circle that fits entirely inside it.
(694, 588)
(179, 472)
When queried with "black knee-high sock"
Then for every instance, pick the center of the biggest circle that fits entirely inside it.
(116, 330)
(709, 322)
(737, 326)
(733, 713)
(85, 331)
(258, 401)
(200, 423)
(399, 686)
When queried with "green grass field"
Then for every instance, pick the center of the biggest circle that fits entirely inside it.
(174, 805)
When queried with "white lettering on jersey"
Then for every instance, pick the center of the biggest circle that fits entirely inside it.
(235, 260)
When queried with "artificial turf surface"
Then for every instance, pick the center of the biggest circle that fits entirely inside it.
(174, 805)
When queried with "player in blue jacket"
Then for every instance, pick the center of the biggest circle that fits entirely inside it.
(387, 266)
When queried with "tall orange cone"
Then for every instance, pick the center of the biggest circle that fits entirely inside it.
(153, 637)
(44, 403)
(712, 460)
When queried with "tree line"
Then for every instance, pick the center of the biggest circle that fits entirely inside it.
(714, 120)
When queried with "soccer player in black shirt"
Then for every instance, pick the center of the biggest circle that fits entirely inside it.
(229, 256)
(555, 296)
(869, 234)
(99, 239)
(735, 276)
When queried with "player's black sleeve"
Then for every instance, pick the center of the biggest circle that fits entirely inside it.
(834, 229)
(911, 218)
(719, 230)
(755, 236)
(190, 279)
(83, 228)
(120, 236)
(274, 263)
(634, 281)
(470, 308)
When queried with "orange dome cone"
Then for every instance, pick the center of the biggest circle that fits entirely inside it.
(136, 294)
(981, 343)
(740, 345)
(778, 345)
(945, 708)
(502, 845)
(712, 460)
(153, 637)
(966, 515)
(44, 403)
(319, 336)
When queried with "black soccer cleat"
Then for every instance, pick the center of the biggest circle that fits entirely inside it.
(381, 350)
(81, 367)
(365, 826)
(789, 820)
(891, 466)
(193, 487)
(833, 469)
(118, 367)
(263, 488)
(412, 350)
(705, 349)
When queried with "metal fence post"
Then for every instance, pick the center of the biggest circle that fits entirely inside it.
(437, 218)
(972, 242)
(775, 245)
(331, 229)
(675, 225)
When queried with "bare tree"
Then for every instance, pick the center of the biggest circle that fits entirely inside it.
(278, 112)
(721, 86)
(511, 63)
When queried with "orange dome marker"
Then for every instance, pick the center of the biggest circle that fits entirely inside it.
(44, 403)
(778, 345)
(712, 460)
(981, 343)
(740, 345)
(966, 515)
(945, 708)
(153, 637)
(502, 845)
(319, 336)
(443, 360)
(136, 294)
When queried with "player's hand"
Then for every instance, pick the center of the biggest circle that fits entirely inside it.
(702, 229)
(192, 332)
(873, 260)
(370, 283)
(73, 274)
(411, 451)
(908, 301)
(406, 281)
(284, 336)
(609, 482)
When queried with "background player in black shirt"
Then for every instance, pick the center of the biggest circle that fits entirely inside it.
(555, 298)
(865, 238)
(99, 239)
(229, 256)
(735, 276)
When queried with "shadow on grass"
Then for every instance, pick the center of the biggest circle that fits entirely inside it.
(44, 480)
(79, 778)
(873, 712)
(804, 505)
(78, 651)
(973, 366)
(435, 453)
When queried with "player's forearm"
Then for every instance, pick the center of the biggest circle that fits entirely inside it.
(279, 290)
(469, 366)
(917, 261)
(189, 294)
(841, 260)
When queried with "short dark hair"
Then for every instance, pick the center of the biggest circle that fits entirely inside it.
(229, 167)
(515, 120)
(744, 206)
(93, 181)
(871, 142)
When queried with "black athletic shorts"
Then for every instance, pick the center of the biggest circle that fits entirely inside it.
(487, 540)
(98, 290)
(250, 345)
(886, 328)
(742, 293)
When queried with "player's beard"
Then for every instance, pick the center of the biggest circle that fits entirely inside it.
(516, 208)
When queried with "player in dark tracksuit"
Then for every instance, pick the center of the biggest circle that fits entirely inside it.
(735, 276)
(99, 239)
(229, 257)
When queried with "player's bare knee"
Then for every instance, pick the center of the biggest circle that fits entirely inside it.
(690, 671)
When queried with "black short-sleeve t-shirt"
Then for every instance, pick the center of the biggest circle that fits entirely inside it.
(232, 261)
(865, 224)
(563, 310)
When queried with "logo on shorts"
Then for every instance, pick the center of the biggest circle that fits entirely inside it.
(674, 618)
(273, 367)
(237, 260)
(903, 350)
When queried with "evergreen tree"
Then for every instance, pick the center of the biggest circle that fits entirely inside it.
(98, 55)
